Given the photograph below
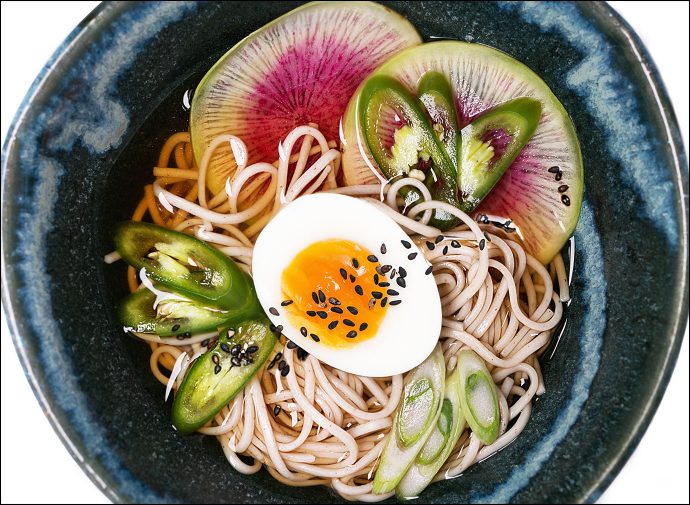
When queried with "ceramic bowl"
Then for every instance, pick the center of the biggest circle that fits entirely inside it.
(90, 128)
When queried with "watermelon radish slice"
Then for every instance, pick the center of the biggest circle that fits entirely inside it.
(301, 68)
(541, 192)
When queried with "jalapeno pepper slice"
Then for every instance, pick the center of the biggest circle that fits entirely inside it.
(435, 93)
(415, 146)
(218, 375)
(187, 266)
(491, 143)
(171, 317)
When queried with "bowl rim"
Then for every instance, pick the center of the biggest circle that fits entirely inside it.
(104, 13)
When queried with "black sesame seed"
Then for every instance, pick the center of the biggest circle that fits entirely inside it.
(274, 311)
(333, 301)
(455, 244)
(337, 310)
(314, 337)
(406, 244)
(290, 345)
(562, 188)
(402, 272)
(445, 250)
(439, 239)
(235, 350)
(359, 290)
(392, 292)
(322, 314)
(175, 327)
(566, 200)
(285, 371)
(279, 329)
(487, 237)
(347, 322)
(270, 365)
(428, 270)
(215, 359)
(363, 326)
(303, 331)
(482, 244)
(352, 278)
(351, 334)
(277, 356)
(378, 270)
(217, 369)
(322, 297)
(396, 302)
(332, 325)
(225, 347)
(276, 410)
(386, 268)
(376, 278)
(412, 256)
(383, 249)
(285, 303)
(343, 272)
(401, 282)
(282, 364)
(394, 272)
(204, 343)
(311, 313)
(430, 245)
(302, 354)
(180, 337)
(235, 361)
(384, 301)
(252, 349)
(315, 297)
(377, 294)
(554, 169)
(355, 263)
(384, 284)
(272, 327)
(352, 310)
(372, 258)
(248, 361)
(559, 176)
(186, 334)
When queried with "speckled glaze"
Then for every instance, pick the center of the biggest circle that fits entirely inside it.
(89, 130)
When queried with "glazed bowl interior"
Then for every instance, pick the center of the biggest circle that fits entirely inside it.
(82, 148)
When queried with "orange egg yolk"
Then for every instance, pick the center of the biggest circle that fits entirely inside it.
(334, 295)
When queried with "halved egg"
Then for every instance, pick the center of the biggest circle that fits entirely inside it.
(345, 283)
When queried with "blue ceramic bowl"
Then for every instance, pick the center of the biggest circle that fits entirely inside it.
(90, 128)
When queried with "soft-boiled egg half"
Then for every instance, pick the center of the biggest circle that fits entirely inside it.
(344, 282)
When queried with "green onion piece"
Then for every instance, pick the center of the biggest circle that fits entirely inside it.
(478, 397)
(414, 422)
(449, 427)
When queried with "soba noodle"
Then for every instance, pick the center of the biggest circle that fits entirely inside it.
(319, 425)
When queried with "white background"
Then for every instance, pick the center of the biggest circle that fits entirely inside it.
(37, 468)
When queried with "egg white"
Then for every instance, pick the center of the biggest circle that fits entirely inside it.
(408, 332)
